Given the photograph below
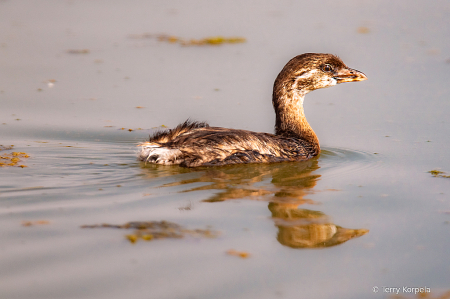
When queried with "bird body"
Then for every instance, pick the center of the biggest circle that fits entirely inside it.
(193, 144)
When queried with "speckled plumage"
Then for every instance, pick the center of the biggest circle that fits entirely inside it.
(193, 144)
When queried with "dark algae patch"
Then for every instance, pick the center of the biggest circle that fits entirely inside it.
(437, 173)
(152, 230)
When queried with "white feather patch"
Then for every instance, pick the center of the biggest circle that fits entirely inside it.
(307, 74)
(157, 154)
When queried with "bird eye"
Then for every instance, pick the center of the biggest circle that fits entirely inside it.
(327, 68)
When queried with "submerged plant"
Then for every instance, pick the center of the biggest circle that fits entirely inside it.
(437, 173)
(152, 230)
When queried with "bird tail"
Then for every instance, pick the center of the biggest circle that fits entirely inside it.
(155, 153)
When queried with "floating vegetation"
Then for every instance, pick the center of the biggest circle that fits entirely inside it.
(129, 130)
(152, 230)
(213, 40)
(188, 207)
(161, 126)
(135, 129)
(13, 158)
(437, 173)
(241, 254)
(363, 30)
(78, 51)
(33, 223)
(50, 83)
(426, 295)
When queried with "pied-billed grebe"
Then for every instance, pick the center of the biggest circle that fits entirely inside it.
(193, 144)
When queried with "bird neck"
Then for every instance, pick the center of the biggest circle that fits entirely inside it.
(291, 120)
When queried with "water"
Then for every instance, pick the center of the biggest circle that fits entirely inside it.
(365, 213)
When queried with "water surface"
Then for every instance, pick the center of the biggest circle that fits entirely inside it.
(365, 213)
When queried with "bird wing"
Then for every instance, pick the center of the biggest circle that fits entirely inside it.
(210, 146)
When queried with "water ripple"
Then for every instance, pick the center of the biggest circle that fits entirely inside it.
(338, 161)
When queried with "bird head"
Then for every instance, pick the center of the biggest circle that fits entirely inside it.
(311, 71)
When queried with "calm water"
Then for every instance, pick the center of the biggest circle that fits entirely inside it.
(365, 213)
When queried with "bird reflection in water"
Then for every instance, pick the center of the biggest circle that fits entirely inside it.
(302, 228)
(283, 185)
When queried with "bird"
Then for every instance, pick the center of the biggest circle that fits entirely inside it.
(194, 144)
